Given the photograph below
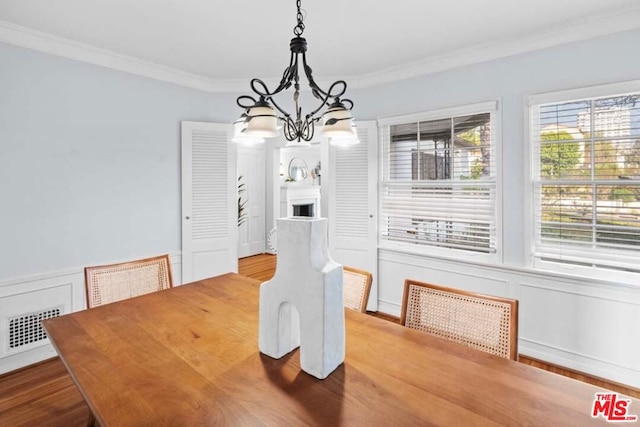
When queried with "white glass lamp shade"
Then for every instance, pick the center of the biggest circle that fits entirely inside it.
(261, 122)
(337, 122)
(240, 137)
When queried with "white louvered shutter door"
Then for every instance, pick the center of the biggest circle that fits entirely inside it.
(209, 227)
(352, 200)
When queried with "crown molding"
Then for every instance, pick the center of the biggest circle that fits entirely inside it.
(59, 46)
(621, 20)
(577, 30)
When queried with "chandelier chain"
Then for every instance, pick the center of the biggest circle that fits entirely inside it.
(299, 29)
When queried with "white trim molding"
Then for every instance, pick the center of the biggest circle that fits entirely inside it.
(66, 48)
(567, 32)
(577, 94)
(492, 106)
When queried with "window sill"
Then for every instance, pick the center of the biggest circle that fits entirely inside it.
(492, 259)
(491, 262)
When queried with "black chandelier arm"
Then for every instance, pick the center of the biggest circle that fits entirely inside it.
(290, 129)
(285, 116)
(251, 101)
(288, 75)
(324, 102)
(308, 129)
(348, 104)
(265, 95)
(324, 98)
(263, 91)
(304, 130)
(248, 98)
(311, 115)
(316, 89)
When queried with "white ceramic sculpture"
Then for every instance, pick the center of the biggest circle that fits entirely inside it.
(302, 306)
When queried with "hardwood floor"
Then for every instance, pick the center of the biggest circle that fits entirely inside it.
(44, 394)
(261, 267)
(576, 375)
(41, 395)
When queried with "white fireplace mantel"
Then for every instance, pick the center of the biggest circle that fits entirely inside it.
(291, 195)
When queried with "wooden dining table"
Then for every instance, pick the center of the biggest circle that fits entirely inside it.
(188, 356)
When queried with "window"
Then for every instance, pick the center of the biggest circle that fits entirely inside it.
(586, 176)
(438, 180)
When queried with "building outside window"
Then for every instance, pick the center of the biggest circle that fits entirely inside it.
(586, 180)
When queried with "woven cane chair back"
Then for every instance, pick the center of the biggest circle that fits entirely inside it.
(115, 282)
(479, 321)
(357, 286)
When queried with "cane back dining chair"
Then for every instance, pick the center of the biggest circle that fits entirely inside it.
(357, 286)
(115, 282)
(483, 322)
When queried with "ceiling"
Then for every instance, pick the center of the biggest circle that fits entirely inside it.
(353, 39)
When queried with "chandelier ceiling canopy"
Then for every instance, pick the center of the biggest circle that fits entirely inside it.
(262, 113)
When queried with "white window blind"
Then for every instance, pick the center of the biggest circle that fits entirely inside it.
(586, 176)
(438, 180)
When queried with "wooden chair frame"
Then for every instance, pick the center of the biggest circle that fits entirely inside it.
(92, 273)
(511, 305)
(367, 290)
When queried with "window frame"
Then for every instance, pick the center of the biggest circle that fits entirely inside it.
(494, 108)
(532, 102)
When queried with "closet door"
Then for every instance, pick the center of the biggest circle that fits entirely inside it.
(353, 204)
(209, 197)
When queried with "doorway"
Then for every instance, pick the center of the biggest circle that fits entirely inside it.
(251, 201)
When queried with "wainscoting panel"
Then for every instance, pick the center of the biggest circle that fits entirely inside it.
(23, 304)
(585, 329)
(25, 301)
(394, 268)
(587, 325)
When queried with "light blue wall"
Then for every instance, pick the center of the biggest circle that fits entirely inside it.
(90, 157)
(609, 59)
(89, 162)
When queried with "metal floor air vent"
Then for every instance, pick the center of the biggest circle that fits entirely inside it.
(26, 329)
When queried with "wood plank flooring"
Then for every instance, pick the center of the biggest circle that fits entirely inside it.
(41, 395)
(44, 395)
(261, 267)
(576, 375)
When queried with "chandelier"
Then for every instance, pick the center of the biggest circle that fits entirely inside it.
(262, 112)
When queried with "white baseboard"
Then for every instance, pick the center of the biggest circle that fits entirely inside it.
(579, 362)
(390, 308)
